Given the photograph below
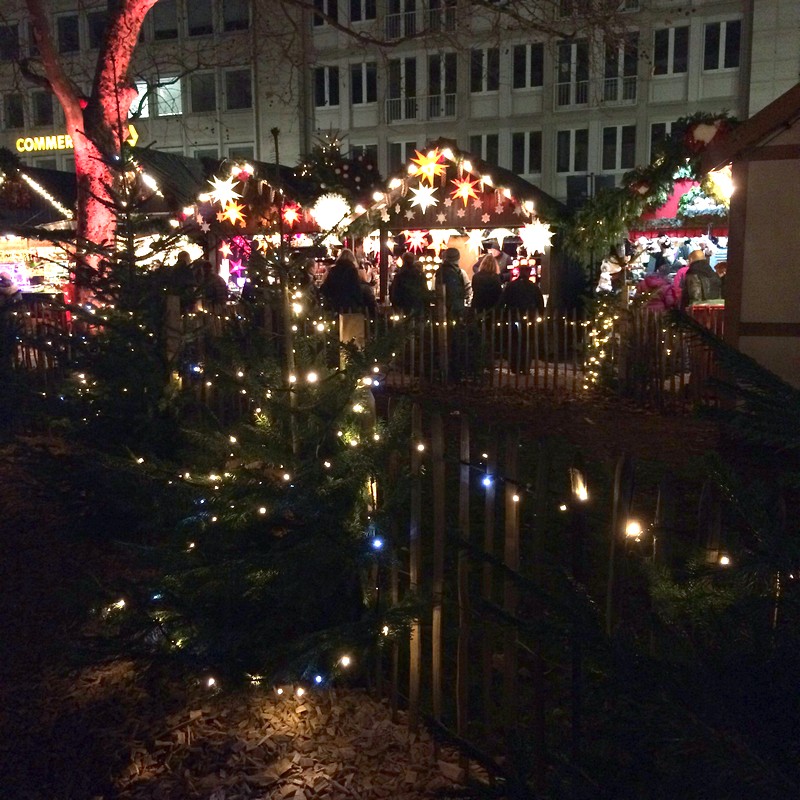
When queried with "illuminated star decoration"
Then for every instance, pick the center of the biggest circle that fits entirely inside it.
(440, 238)
(233, 212)
(291, 214)
(223, 191)
(464, 190)
(423, 197)
(225, 250)
(416, 240)
(475, 240)
(428, 166)
(535, 236)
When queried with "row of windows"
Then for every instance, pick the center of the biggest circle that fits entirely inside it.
(400, 14)
(201, 92)
(617, 149)
(73, 32)
(527, 66)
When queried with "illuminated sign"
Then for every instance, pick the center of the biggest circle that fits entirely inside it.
(30, 144)
(62, 141)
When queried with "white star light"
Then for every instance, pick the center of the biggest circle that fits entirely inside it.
(475, 240)
(423, 197)
(223, 191)
(409, 214)
(385, 215)
(536, 236)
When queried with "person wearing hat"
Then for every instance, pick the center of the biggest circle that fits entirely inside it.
(457, 287)
(492, 247)
(700, 283)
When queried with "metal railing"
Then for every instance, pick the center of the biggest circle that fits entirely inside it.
(401, 108)
(400, 25)
(441, 105)
(621, 89)
(573, 93)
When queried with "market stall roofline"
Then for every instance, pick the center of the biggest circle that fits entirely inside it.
(183, 178)
(772, 119)
(61, 185)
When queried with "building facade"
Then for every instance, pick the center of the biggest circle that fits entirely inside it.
(216, 78)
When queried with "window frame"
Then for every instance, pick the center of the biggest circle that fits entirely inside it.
(367, 10)
(528, 149)
(328, 71)
(202, 74)
(161, 8)
(672, 35)
(573, 168)
(7, 97)
(16, 47)
(37, 122)
(529, 69)
(365, 70)
(407, 148)
(197, 5)
(487, 142)
(721, 60)
(329, 8)
(488, 73)
(619, 162)
(226, 76)
(58, 40)
(95, 14)
(231, 25)
(166, 89)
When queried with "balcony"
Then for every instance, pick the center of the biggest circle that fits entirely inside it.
(400, 25)
(441, 106)
(400, 109)
(622, 90)
(441, 20)
(574, 93)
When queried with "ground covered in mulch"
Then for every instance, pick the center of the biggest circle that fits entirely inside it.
(78, 724)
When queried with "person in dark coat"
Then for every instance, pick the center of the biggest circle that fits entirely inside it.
(458, 289)
(341, 289)
(522, 294)
(409, 290)
(486, 285)
(521, 297)
(700, 283)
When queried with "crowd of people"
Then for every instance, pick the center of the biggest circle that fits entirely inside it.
(666, 274)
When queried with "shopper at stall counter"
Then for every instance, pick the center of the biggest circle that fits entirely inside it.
(522, 294)
(486, 285)
(342, 288)
(700, 283)
(458, 289)
(409, 290)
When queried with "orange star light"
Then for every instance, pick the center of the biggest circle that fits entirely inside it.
(464, 190)
(225, 250)
(233, 212)
(429, 166)
(291, 214)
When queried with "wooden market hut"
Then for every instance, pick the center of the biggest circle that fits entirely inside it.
(762, 291)
(443, 187)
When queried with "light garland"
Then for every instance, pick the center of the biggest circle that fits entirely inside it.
(42, 192)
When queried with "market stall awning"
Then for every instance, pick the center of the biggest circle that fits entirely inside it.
(445, 187)
(32, 197)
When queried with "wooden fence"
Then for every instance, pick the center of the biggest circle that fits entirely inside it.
(644, 359)
(499, 556)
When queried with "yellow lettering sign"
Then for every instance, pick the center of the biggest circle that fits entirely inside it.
(28, 144)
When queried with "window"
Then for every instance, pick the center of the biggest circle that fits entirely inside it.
(526, 152)
(572, 75)
(96, 25)
(168, 97)
(398, 154)
(68, 34)
(203, 92)
(326, 86)
(401, 89)
(572, 150)
(207, 152)
(9, 42)
(528, 66)
(442, 15)
(671, 51)
(165, 20)
(235, 15)
(140, 107)
(363, 83)
(401, 18)
(199, 17)
(619, 147)
(14, 115)
(486, 146)
(241, 151)
(621, 66)
(659, 133)
(442, 83)
(33, 47)
(484, 72)
(329, 8)
(238, 89)
(368, 151)
(362, 10)
(722, 44)
(44, 163)
(42, 107)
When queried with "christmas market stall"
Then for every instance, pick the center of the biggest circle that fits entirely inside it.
(446, 197)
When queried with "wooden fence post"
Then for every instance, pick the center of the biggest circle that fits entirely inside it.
(462, 657)
(577, 528)
(487, 592)
(414, 565)
(710, 522)
(621, 503)
(510, 592)
(437, 589)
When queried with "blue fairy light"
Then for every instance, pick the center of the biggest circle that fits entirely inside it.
(377, 543)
